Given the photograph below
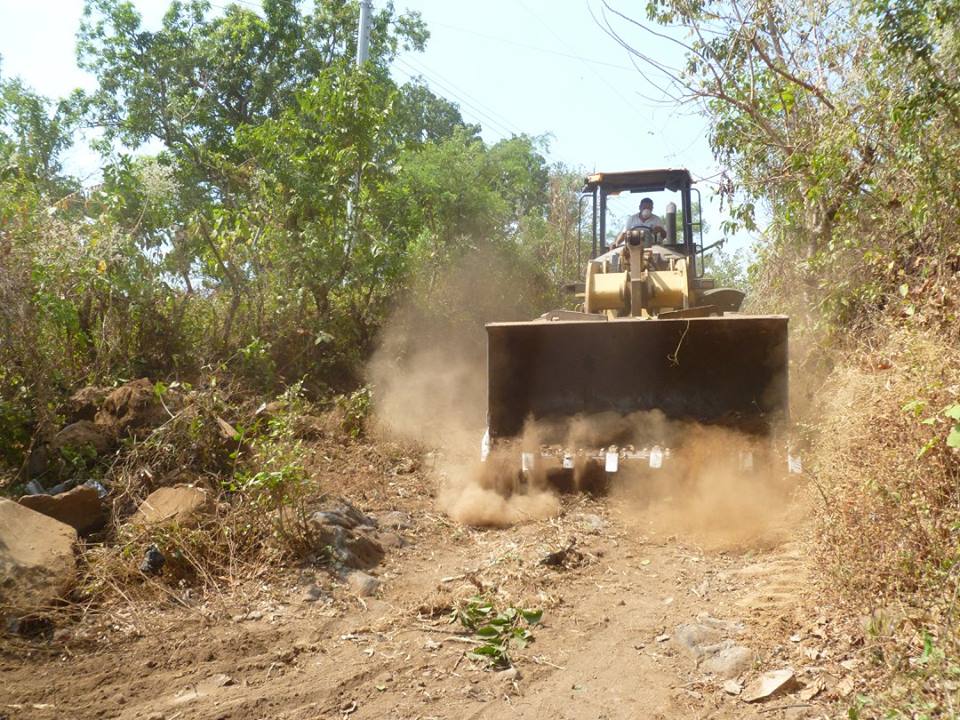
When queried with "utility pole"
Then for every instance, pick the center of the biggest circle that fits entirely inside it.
(363, 32)
(363, 53)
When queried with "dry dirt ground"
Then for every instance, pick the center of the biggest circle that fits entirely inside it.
(606, 647)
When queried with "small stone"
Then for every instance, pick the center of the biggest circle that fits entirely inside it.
(769, 685)
(811, 690)
(510, 675)
(844, 687)
(729, 662)
(693, 637)
(363, 584)
(153, 561)
(222, 680)
(405, 466)
(182, 505)
(592, 523)
(732, 687)
(312, 593)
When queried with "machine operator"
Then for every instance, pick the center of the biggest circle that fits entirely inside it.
(645, 218)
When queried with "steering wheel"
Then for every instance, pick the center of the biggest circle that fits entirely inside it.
(643, 235)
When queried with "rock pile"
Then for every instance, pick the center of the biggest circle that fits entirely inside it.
(97, 419)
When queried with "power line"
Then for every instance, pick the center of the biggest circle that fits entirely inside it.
(414, 72)
(591, 68)
(504, 121)
(534, 48)
(415, 76)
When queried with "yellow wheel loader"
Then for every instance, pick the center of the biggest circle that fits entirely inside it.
(652, 335)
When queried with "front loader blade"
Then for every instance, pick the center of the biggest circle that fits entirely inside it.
(729, 370)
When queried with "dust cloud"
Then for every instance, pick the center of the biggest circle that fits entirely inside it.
(721, 488)
(429, 385)
(716, 486)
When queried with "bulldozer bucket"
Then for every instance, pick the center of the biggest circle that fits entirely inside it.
(728, 370)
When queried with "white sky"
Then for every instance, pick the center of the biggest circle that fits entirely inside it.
(531, 66)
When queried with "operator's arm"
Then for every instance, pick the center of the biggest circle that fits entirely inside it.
(656, 225)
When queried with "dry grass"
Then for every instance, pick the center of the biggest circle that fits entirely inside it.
(259, 486)
(889, 516)
(893, 509)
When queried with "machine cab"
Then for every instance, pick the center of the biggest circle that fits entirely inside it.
(615, 199)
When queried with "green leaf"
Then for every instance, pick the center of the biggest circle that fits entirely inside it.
(487, 650)
(953, 439)
(928, 446)
(488, 631)
(915, 407)
(532, 616)
(953, 412)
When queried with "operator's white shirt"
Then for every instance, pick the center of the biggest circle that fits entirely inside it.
(635, 221)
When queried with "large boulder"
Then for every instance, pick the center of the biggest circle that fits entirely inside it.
(82, 439)
(85, 402)
(181, 505)
(37, 561)
(80, 508)
(134, 409)
(52, 459)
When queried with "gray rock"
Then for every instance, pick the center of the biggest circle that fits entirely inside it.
(732, 687)
(312, 593)
(362, 583)
(510, 675)
(692, 638)
(593, 523)
(344, 515)
(727, 627)
(729, 661)
(347, 541)
(37, 563)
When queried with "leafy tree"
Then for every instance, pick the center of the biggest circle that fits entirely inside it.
(34, 133)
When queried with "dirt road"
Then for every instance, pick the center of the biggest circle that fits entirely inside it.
(614, 641)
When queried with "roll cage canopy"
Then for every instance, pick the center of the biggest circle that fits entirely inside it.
(638, 181)
(599, 186)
